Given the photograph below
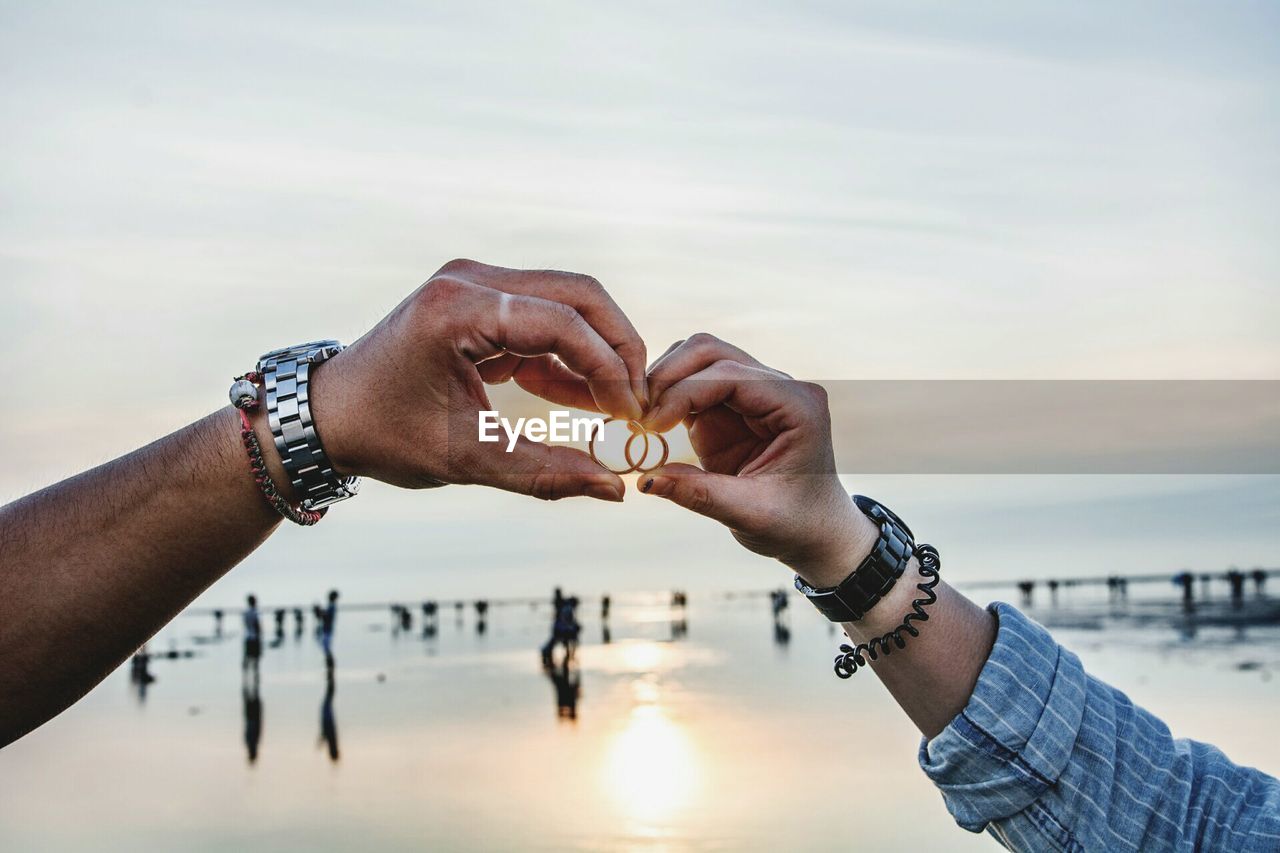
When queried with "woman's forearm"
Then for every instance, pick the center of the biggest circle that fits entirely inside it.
(93, 566)
(933, 677)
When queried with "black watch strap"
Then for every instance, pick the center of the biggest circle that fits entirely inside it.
(850, 600)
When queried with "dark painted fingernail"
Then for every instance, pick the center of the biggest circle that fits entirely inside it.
(648, 484)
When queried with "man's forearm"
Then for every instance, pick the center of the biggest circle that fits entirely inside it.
(93, 566)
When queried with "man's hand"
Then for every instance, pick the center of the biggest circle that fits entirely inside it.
(400, 405)
(764, 440)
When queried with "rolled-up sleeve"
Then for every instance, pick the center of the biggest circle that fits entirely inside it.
(1045, 756)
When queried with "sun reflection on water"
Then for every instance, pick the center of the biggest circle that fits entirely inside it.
(651, 768)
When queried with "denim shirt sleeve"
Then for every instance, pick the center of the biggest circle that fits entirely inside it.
(1046, 757)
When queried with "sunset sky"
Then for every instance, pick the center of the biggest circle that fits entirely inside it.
(885, 190)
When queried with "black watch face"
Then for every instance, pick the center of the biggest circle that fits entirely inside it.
(866, 504)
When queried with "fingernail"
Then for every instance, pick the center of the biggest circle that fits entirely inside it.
(660, 486)
(603, 492)
(641, 389)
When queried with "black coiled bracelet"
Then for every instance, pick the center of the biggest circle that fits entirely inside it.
(852, 657)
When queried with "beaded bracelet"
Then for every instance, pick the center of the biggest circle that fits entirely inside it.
(852, 657)
(244, 396)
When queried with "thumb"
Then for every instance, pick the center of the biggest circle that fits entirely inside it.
(545, 471)
(730, 500)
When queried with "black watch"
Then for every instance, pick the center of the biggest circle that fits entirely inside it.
(850, 600)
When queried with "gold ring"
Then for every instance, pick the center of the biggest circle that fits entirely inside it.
(638, 467)
(637, 431)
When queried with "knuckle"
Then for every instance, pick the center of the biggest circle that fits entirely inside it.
(568, 318)
(440, 290)
(703, 340)
(635, 348)
(456, 266)
(698, 497)
(546, 484)
(588, 284)
(816, 392)
(729, 367)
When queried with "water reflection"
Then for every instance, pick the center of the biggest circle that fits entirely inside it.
(653, 744)
(651, 769)
(252, 700)
(328, 723)
(566, 678)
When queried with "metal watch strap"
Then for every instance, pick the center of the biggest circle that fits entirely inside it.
(286, 377)
(850, 600)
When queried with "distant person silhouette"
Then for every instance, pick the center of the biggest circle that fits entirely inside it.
(278, 640)
(564, 630)
(1186, 581)
(604, 608)
(482, 612)
(557, 601)
(297, 622)
(217, 623)
(328, 621)
(252, 718)
(430, 611)
(252, 638)
(328, 723)
(1259, 581)
(779, 603)
(1235, 578)
(140, 672)
(567, 681)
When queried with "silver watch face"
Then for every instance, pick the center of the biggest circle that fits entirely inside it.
(313, 352)
(349, 487)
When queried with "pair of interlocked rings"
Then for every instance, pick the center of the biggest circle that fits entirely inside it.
(637, 432)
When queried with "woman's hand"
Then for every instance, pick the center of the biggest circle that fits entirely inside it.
(764, 441)
(400, 405)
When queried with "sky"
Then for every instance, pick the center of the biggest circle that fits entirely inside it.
(848, 191)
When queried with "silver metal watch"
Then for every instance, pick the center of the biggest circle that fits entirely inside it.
(285, 375)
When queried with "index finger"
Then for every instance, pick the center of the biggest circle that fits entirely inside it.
(752, 391)
(587, 296)
(530, 326)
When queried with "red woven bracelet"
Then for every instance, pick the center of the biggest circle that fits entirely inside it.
(244, 395)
